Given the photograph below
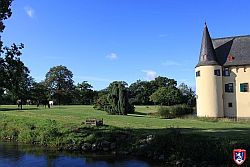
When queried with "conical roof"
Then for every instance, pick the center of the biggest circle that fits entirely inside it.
(207, 52)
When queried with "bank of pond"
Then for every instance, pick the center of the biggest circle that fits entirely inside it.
(188, 142)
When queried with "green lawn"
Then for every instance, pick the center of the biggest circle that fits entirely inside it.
(75, 115)
(194, 140)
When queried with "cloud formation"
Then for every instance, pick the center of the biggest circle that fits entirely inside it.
(29, 11)
(112, 56)
(150, 74)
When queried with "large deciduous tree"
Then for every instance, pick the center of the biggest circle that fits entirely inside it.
(167, 96)
(5, 13)
(83, 94)
(39, 91)
(139, 92)
(59, 81)
(16, 75)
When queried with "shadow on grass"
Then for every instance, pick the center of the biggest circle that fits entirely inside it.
(17, 109)
(190, 145)
(140, 113)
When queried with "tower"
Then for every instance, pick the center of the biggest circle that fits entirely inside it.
(208, 80)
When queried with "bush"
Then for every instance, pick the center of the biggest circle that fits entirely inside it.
(174, 111)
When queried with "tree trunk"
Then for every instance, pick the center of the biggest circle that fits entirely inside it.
(21, 104)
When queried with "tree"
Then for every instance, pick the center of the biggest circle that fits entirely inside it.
(16, 74)
(139, 92)
(188, 95)
(83, 94)
(167, 96)
(60, 83)
(116, 101)
(5, 13)
(163, 82)
(39, 91)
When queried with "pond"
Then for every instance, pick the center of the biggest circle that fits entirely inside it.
(20, 155)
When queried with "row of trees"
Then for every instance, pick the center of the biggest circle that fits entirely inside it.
(161, 90)
(59, 87)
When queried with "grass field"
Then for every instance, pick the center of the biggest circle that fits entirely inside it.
(75, 115)
(191, 140)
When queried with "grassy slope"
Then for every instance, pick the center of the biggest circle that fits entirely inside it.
(75, 115)
(189, 138)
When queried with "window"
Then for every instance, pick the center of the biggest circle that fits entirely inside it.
(198, 73)
(244, 87)
(226, 72)
(217, 72)
(230, 104)
(229, 87)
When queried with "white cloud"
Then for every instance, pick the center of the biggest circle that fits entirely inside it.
(112, 56)
(171, 63)
(29, 11)
(150, 74)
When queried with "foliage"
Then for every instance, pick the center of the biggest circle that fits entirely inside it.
(167, 96)
(188, 95)
(174, 111)
(39, 91)
(102, 103)
(59, 81)
(83, 94)
(116, 101)
(5, 12)
(16, 74)
(140, 91)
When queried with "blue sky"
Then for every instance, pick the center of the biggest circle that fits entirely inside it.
(105, 40)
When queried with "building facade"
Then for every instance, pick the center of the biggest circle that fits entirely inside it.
(223, 77)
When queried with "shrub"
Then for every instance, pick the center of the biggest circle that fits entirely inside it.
(174, 111)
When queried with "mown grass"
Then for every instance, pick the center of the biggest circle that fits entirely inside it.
(61, 126)
(75, 115)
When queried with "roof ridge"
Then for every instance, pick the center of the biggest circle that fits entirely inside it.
(231, 37)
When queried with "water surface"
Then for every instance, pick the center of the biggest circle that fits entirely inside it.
(14, 155)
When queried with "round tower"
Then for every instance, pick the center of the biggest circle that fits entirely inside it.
(209, 88)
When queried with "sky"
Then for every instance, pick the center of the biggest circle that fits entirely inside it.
(102, 41)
